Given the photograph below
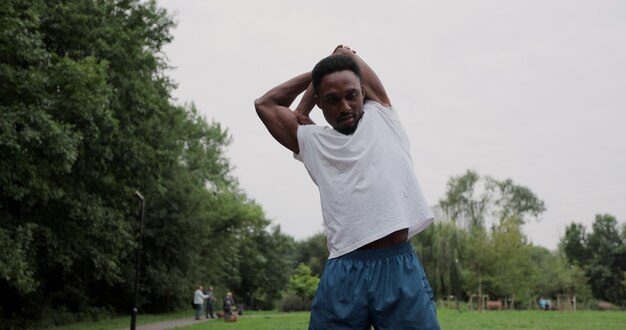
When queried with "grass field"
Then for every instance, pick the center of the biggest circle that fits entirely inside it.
(448, 318)
(451, 319)
(124, 322)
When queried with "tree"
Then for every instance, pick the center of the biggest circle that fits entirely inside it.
(513, 267)
(303, 283)
(606, 269)
(460, 203)
(601, 254)
(555, 275)
(478, 258)
(574, 244)
(313, 252)
(87, 119)
(266, 265)
(439, 248)
(471, 200)
(497, 259)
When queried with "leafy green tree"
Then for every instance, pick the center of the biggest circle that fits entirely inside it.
(555, 275)
(266, 265)
(313, 252)
(471, 200)
(479, 259)
(473, 258)
(303, 283)
(513, 267)
(87, 119)
(439, 248)
(462, 203)
(574, 244)
(601, 254)
(606, 268)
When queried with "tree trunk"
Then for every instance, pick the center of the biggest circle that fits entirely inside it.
(480, 293)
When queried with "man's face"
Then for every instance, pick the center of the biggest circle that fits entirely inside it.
(340, 96)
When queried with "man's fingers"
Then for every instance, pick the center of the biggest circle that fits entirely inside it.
(341, 47)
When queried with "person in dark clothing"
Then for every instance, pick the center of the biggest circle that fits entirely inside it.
(209, 303)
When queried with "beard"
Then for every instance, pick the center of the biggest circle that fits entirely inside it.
(350, 129)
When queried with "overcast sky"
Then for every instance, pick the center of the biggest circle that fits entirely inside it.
(534, 91)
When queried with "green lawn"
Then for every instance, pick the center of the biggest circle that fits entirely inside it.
(448, 318)
(124, 322)
(451, 319)
(583, 320)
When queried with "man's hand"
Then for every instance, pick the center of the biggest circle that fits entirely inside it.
(343, 50)
(372, 85)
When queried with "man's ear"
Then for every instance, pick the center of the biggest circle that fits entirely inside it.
(363, 92)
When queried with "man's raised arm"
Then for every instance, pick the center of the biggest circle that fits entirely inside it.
(372, 85)
(273, 109)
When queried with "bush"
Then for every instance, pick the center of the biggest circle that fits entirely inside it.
(293, 303)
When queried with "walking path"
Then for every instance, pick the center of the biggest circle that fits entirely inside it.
(171, 324)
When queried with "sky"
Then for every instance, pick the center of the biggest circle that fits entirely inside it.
(534, 91)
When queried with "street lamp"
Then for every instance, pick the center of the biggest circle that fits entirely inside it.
(133, 319)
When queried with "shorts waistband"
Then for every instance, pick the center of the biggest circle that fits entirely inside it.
(383, 253)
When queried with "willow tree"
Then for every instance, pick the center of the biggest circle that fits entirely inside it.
(471, 200)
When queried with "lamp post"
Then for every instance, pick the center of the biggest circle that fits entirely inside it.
(133, 319)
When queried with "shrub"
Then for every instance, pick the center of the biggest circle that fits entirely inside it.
(293, 303)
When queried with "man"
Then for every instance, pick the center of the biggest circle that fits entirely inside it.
(371, 200)
(198, 301)
(209, 303)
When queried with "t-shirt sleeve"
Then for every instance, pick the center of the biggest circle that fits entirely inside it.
(304, 140)
(389, 111)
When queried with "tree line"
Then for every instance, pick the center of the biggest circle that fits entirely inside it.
(477, 247)
(87, 119)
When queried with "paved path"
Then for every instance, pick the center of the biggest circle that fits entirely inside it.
(172, 324)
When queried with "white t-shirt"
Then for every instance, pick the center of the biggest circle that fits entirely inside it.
(367, 184)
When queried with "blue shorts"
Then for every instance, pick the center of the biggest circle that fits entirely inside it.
(385, 288)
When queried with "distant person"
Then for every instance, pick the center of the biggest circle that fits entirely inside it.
(229, 302)
(370, 197)
(209, 303)
(543, 303)
(198, 301)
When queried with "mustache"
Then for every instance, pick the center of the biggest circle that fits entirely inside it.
(346, 115)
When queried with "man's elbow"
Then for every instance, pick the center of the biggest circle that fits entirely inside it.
(259, 104)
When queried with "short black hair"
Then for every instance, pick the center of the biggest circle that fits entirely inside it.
(332, 64)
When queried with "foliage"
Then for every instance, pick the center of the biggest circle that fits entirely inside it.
(471, 200)
(512, 263)
(266, 262)
(293, 303)
(86, 119)
(302, 283)
(601, 254)
(313, 252)
(439, 248)
(463, 257)
(574, 244)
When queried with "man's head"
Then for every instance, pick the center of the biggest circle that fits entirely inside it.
(338, 92)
